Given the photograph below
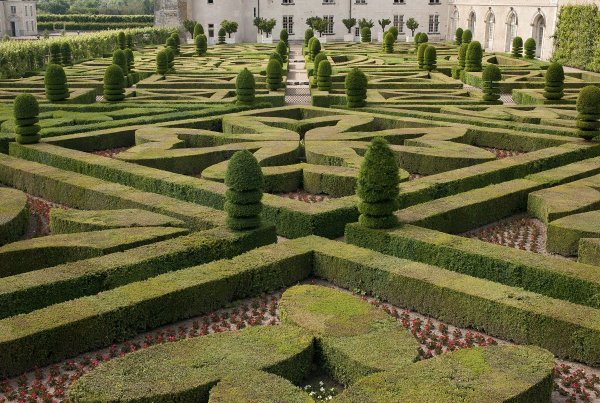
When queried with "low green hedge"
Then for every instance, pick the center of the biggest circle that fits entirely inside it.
(564, 234)
(95, 18)
(14, 215)
(90, 26)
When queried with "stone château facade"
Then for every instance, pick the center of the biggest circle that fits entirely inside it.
(18, 18)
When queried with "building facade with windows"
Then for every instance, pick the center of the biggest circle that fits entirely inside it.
(18, 18)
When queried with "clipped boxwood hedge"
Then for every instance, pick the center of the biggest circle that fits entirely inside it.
(14, 214)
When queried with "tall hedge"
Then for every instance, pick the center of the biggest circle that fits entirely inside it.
(324, 76)
(244, 181)
(162, 62)
(588, 112)
(378, 186)
(26, 111)
(66, 54)
(530, 47)
(517, 46)
(491, 77)
(274, 75)
(555, 82)
(458, 36)
(577, 37)
(430, 58)
(245, 87)
(114, 84)
(172, 44)
(356, 88)
(201, 44)
(55, 82)
(473, 61)
(365, 34)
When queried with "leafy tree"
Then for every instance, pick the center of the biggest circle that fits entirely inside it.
(244, 181)
(230, 27)
(259, 23)
(189, 26)
(349, 23)
(384, 23)
(268, 26)
(53, 6)
(363, 22)
(320, 25)
(309, 21)
(26, 112)
(412, 24)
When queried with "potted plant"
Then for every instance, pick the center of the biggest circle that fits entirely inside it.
(230, 27)
(363, 23)
(349, 23)
(258, 23)
(411, 24)
(320, 25)
(267, 27)
(382, 23)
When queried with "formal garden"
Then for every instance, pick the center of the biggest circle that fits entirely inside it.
(426, 228)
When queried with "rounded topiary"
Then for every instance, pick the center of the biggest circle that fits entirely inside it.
(55, 81)
(26, 111)
(421, 55)
(430, 58)
(355, 85)
(365, 34)
(171, 44)
(201, 43)
(244, 180)
(277, 57)
(474, 56)
(462, 58)
(555, 82)
(130, 60)
(120, 59)
(121, 40)
(175, 36)
(198, 30)
(282, 49)
(114, 84)
(467, 36)
(274, 75)
(388, 42)
(324, 76)
(491, 77)
(318, 59)
(315, 48)
(222, 34)
(517, 46)
(170, 59)
(66, 54)
(530, 47)
(394, 31)
(284, 36)
(162, 62)
(55, 53)
(245, 87)
(129, 40)
(420, 38)
(377, 186)
(458, 36)
(309, 33)
(588, 112)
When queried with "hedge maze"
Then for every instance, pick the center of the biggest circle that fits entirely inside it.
(428, 230)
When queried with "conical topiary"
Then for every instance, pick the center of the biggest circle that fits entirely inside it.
(26, 112)
(222, 34)
(315, 48)
(171, 44)
(420, 38)
(284, 36)
(121, 40)
(421, 55)
(318, 59)
(245, 87)
(120, 59)
(430, 58)
(198, 30)
(388, 42)
(377, 186)
(309, 33)
(467, 36)
(129, 41)
(530, 47)
(517, 46)
(356, 88)
(66, 54)
(462, 58)
(114, 84)
(474, 56)
(458, 36)
(177, 40)
(55, 53)
(244, 181)
(277, 57)
(491, 77)
(201, 44)
(130, 60)
(365, 34)
(162, 62)
(394, 31)
(324, 76)
(555, 82)
(588, 112)
(274, 75)
(55, 81)
(282, 49)
(170, 59)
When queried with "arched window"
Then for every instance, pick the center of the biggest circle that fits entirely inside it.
(454, 22)
(472, 21)
(512, 22)
(538, 28)
(490, 22)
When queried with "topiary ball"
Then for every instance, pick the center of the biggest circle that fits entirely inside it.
(245, 87)
(26, 111)
(274, 75)
(467, 36)
(114, 84)
(324, 76)
(554, 78)
(162, 62)
(201, 44)
(55, 82)
(530, 47)
(355, 85)
(245, 182)
(588, 112)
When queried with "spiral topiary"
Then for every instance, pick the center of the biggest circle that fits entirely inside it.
(421, 55)
(388, 42)
(324, 76)
(315, 48)
(474, 56)
(221, 36)
(491, 77)
(66, 54)
(245, 88)
(555, 82)
(274, 75)
(114, 84)
(55, 81)
(244, 181)
(284, 36)
(170, 59)
(55, 53)
(282, 49)
(467, 36)
(458, 36)
(26, 111)
(318, 59)
(517, 46)
(277, 57)
(530, 47)
(308, 34)
(198, 30)
(162, 62)
(130, 60)
(588, 112)
(377, 186)
(430, 58)
(121, 40)
(129, 40)
(120, 59)
(394, 31)
(356, 88)
(365, 34)
(201, 43)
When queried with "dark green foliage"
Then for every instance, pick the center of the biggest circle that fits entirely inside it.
(377, 186)
(491, 88)
(315, 48)
(162, 62)
(171, 44)
(243, 176)
(365, 34)
(129, 40)
(517, 46)
(282, 49)
(388, 42)
(588, 112)
(170, 59)
(430, 58)
(308, 34)
(55, 53)
(394, 31)
(555, 82)
(130, 60)
(274, 75)
(221, 36)
(245, 87)
(318, 59)
(114, 84)
(198, 30)
(277, 57)
(420, 38)
(66, 54)
(284, 36)
(121, 40)
(55, 81)
(175, 36)
(324, 76)
(530, 47)
(474, 56)
(26, 111)
(356, 88)
(421, 55)
(467, 36)
(201, 43)
(462, 58)
(120, 59)
(458, 36)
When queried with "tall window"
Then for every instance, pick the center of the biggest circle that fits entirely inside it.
(511, 30)
(288, 24)
(434, 24)
(329, 29)
(13, 9)
(26, 16)
(399, 23)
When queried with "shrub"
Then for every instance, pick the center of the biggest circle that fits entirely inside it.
(129, 40)
(121, 40)
(284, 36)
(388, 42)
(421, 55)
(467, 36)
(474, 56)
(378, 186)
(162, 62)
(308, 34)
(324, 76)
(198, 30)
(277, 57)
(430, 58)
(394, 31)
(55, 81)
(356, 88)
(458, 36)
(462, 58)
(420, 38)
(222, 34)
(26, 111)
(530, 47)
(588, 112)
(114, 84)
(491, 88)
(55, 53)
(170, 59)
(555, 82)
(244, 180)
(365, 34)
(66, 54)
(245, 87)
(318, 59)
(130, 60)
(120, 59)
(315, 48)
(274, 75)
(201, 43)
(170, 43)
(282, 49)
(175, 36)
(517, 46)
